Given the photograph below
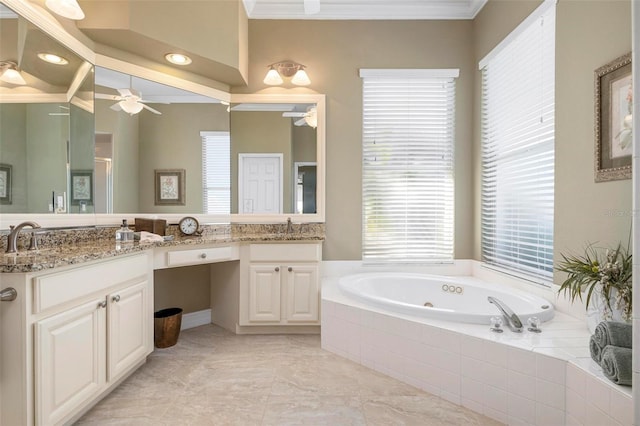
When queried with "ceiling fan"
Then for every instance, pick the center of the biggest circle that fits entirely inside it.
(129, 101)
(308, 118)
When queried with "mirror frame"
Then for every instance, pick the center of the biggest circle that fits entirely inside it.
(43, 20)
(319, 100)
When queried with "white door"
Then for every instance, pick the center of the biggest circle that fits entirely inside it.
(260, 183)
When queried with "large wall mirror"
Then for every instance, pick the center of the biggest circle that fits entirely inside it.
(68, 158)
(46, 119)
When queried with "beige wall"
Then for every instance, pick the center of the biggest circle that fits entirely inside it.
(124, 129)
(588, 35)
(46, 139)
(333, 52)
(13, 152)
(172, 141)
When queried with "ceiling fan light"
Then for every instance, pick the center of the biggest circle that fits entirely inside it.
(178, 58)
(301, 78)
(10, 74)
(312, 117)
(272, 78)
(130, 106)
(66, 8)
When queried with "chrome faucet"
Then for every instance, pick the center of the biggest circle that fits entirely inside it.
(512, 319)
(289, 226)
(12, 238)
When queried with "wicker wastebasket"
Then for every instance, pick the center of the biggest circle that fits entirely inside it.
(166, 327)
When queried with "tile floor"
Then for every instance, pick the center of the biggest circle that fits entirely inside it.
(213, 377)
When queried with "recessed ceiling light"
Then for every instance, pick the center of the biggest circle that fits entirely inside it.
(53, 59)
(177, 58)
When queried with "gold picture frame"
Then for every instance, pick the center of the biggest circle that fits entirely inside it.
(613, 124)
(170, 187)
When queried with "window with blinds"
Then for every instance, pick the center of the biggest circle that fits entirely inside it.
(518, 148)
(216, 172)
(407, 165)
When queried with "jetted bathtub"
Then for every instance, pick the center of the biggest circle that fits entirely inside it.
(459, 299)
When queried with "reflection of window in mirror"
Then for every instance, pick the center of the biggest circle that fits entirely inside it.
(216, 172)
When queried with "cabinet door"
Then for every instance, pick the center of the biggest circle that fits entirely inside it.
(129, 319)
(69, 360)
(264, 293)
(302, 293)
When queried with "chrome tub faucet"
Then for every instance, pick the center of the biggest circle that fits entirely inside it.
(513, 321)
(12, 238)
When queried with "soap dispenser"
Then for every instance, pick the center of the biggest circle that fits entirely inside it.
(124, 235)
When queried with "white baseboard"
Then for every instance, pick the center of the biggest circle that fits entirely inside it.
(196, 319)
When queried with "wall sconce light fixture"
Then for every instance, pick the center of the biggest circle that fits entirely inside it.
(287, 69)
(9, 73)
(66, 8)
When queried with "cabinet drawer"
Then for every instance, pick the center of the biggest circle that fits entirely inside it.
(285, 252)
(54, 289)
(205, 255)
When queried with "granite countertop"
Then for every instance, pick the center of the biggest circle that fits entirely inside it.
(60, 255)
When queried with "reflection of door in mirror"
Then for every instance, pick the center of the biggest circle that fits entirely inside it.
(260, 183)
(271, 128)
(305, 187)
(103, 192)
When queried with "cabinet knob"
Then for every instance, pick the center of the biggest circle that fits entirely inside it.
(277, 269)
(290, 269)
(102, 304)
(203, 256)
(116, 298)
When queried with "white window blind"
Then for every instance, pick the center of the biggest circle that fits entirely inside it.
(407, 151)
(518, 149)
(216, 172)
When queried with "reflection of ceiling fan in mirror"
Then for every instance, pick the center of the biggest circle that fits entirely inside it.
(129, 101)
(308, 118)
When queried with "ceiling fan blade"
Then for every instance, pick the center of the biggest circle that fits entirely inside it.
(108, 97)
(155, 111)
(116, 107)
(311, 7)
(125, 92)
(294, 114)
(301, 122)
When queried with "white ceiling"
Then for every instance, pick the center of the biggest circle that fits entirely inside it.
(365, 9)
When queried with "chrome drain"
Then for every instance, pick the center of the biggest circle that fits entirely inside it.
(428, 304)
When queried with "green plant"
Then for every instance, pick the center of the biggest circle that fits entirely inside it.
(612, 270)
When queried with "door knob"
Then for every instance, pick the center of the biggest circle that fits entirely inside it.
(9, 294)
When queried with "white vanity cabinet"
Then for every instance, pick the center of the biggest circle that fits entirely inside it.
(279, 284)
(75, 333)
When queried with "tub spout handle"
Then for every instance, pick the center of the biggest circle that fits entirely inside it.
(513, 322)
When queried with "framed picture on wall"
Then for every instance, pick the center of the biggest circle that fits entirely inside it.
(81, 187)
(170, 187)
(613, 120)
(5, 183)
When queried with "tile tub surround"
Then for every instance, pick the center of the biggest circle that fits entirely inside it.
(214, 377)
(534, 379)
